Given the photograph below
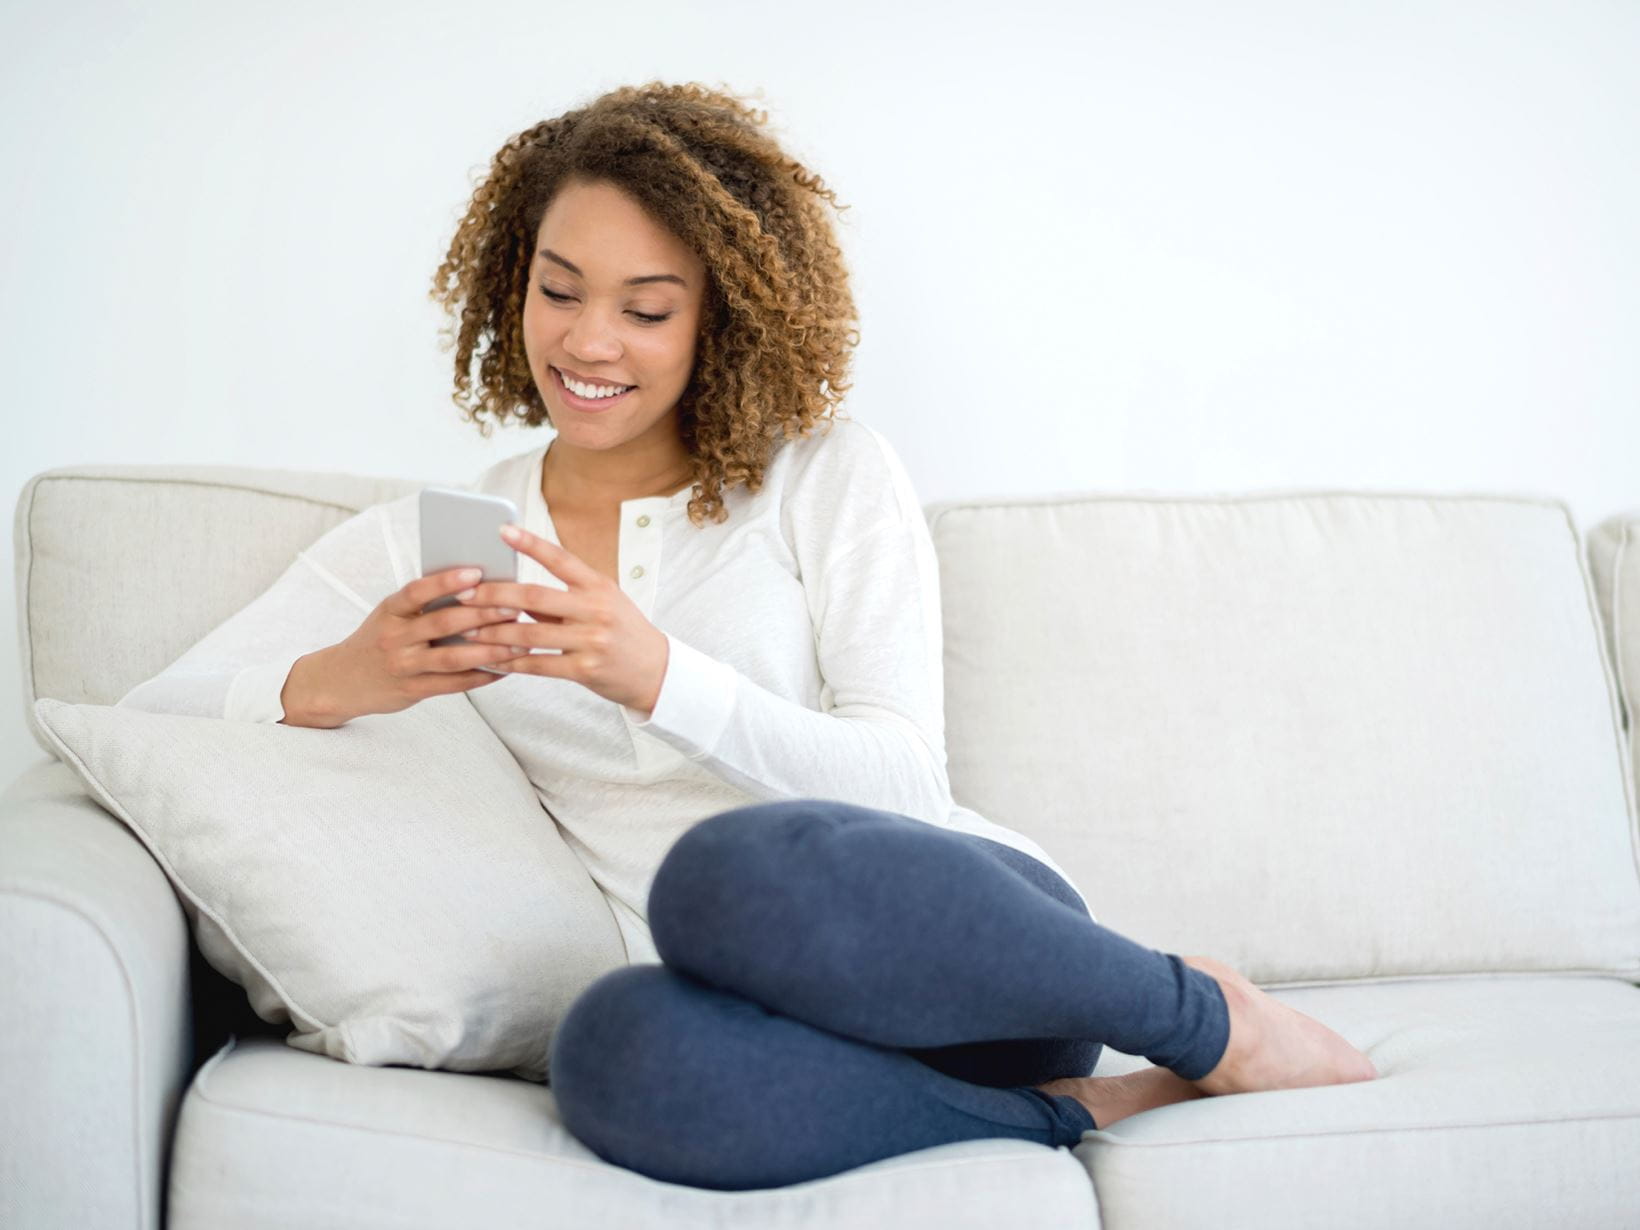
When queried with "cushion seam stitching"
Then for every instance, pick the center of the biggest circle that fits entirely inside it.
(212, 483)
(1378, 1131)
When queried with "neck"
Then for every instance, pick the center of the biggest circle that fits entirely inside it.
(587, 478)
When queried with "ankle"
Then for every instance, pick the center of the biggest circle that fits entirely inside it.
(1110, 1099)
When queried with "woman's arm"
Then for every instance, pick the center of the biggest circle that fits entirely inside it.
(879, 740)
(240, 668)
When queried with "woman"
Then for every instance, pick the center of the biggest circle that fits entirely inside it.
(727, 690)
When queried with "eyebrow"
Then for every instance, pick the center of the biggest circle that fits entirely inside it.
(649, 277)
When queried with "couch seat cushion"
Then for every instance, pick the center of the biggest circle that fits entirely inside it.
(1500, 1102)
(269, 1136)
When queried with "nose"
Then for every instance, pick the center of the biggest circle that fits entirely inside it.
(591, 340)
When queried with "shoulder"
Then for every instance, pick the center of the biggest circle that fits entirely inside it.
(835, 444)
(841, 486)
(847, 463)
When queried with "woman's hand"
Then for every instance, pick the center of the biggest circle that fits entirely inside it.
(608, 646)
(389, 663)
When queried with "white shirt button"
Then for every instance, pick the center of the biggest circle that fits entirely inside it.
(637, 572)
(643, 521)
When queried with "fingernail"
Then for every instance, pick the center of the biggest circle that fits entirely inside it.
(465, 594)
(509, 532)
(470, 574)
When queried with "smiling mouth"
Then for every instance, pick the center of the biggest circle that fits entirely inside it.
(587, 405)
(593, 391)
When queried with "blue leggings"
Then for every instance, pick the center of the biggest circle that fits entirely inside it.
(843, 984)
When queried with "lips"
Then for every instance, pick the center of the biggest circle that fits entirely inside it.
(587, 405)
(598, 381)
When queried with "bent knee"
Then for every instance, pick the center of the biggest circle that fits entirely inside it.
(611, 1014)
(717, 854)
(639, 1068)
(612, 1045)
(726, 838)
(717, 872)
(746, 845)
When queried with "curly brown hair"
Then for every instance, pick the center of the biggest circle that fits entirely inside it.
(777, 318)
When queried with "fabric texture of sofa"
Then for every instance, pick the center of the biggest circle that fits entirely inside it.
(1375, 749)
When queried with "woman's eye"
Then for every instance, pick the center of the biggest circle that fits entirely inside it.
(646, 317)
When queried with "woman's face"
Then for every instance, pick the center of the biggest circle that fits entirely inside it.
(614, 300)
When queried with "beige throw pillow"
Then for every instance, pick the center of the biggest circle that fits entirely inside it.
(393, 887)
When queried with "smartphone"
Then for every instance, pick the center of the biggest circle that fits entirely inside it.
(460, 529)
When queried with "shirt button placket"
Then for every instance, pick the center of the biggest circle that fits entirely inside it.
(644, 548)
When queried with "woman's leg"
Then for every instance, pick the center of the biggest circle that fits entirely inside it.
(891, 931)
(685, 1083)
(1009, 1062)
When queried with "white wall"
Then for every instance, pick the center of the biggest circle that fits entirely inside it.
(1181, 247)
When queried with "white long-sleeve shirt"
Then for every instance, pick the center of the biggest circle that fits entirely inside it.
(804, 657)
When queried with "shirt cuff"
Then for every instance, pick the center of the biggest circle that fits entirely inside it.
(695, 703)
(253, 696)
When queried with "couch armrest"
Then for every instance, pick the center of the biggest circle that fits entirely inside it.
(96, 1045)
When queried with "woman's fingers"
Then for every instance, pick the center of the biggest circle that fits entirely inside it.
(527, 597)
(443, 659)
(526, 636)
(447, 621)
(409, 601)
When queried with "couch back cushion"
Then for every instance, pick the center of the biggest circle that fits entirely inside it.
(1321, 736)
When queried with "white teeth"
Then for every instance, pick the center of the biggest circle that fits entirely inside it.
(593, 391)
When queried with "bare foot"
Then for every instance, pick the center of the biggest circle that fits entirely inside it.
(1109, 1098)
(1273, 1045)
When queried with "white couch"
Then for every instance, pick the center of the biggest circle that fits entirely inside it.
(1373, 749)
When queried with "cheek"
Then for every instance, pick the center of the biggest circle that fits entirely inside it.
(538, 325)
(679, 357)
